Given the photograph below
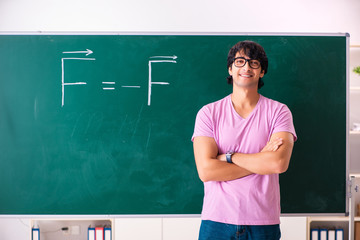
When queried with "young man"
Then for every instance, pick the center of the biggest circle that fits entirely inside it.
(241, 145)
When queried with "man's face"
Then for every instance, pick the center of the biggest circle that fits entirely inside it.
(245, 76)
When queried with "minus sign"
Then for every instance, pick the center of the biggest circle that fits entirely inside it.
(109, 88)
(131, 86)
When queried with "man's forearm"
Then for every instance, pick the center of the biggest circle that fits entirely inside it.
(261, 163)
(274, 158)
(215, 170)
(209, 167)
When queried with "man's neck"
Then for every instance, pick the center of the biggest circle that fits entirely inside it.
(245, 97)
(244, 100)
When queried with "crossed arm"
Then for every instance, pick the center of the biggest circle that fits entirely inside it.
(273, 158)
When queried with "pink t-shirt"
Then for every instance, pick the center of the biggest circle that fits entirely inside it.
(254, 199)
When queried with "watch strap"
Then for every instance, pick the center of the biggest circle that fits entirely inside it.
(228, 156)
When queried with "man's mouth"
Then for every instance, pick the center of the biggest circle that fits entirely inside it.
(245, 75)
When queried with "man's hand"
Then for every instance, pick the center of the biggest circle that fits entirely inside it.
(273, 145)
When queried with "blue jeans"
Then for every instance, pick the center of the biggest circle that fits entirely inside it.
(210, 230)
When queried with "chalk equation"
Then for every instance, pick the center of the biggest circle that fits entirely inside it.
(109, 86)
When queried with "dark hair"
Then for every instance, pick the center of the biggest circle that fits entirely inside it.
(254, 51)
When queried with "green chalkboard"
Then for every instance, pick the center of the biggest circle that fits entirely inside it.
(102, 124)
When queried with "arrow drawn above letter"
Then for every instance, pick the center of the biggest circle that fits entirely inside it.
(88, 52)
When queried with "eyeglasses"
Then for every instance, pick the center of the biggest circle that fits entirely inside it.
(241, 61)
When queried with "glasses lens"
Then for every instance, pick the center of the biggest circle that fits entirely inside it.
(254, 63)
(239, 62)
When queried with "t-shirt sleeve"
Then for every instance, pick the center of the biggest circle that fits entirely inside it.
(284, 122)
(203, 124)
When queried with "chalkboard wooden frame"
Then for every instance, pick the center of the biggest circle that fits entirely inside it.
(50, 207)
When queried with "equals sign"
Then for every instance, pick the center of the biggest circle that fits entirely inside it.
(108, 85)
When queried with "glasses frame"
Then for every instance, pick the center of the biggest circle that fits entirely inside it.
(247, 60)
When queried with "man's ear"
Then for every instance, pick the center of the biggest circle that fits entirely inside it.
(262, 73)
(230, 70)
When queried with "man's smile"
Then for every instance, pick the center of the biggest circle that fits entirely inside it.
(245, 75)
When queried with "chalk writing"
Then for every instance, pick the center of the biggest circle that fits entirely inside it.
(63, 83)
(110, 85)
(88, 52)
(159, 83)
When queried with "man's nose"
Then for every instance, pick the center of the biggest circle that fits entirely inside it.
(247, 65)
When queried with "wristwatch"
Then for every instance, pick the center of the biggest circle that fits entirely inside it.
(228, 156)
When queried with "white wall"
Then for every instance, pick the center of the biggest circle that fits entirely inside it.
(182, 15)
(177, 16)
